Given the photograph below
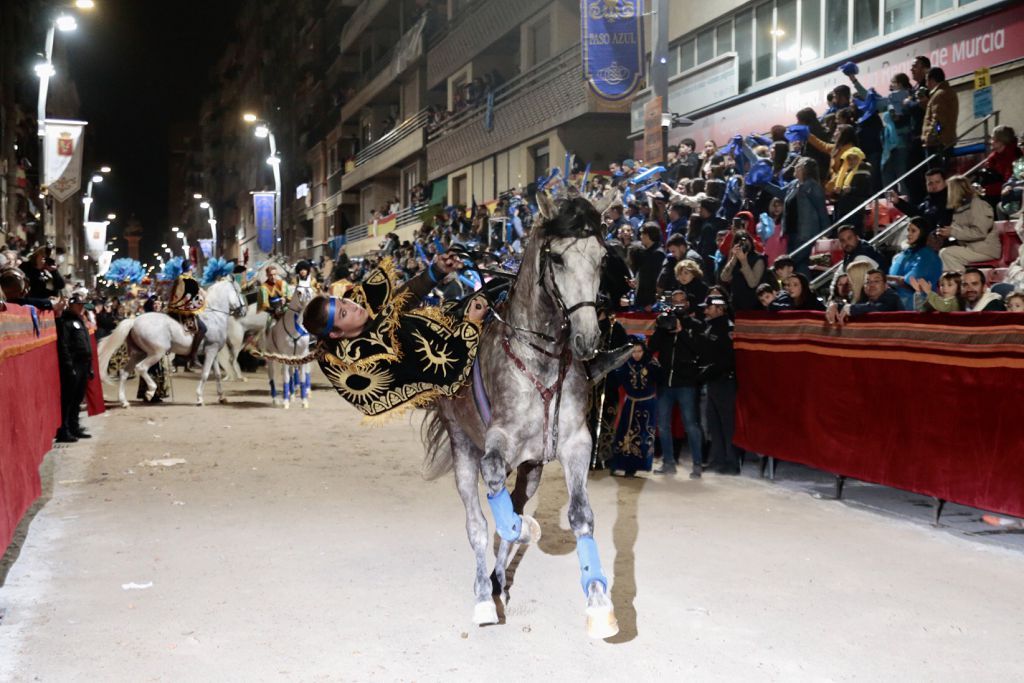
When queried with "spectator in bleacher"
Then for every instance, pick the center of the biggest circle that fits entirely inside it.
(708, 158)
(648, 266)
(946, 300)
(783, 267)
(878, 298)
(867, 124)
(689, 160)
(999, 164)
(676, 249)
(44, 281)
(615, 218)
(677, 219)
(675, 343)
(917, 261)
(977, 296)
(804, 213)
(705, 241)
(797, 296)
(973, 227)
(753, 270)
(914, 183)
(1015, 302)
(743, 221)
(849, 205)
(808, 117)
(897, 130)
(845, 157)
(938, 133)
(689, 279)
(777, 244)
(853, 246)
(935, 205)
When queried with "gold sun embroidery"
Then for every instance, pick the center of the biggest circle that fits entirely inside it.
(440, 359)
(365, 384)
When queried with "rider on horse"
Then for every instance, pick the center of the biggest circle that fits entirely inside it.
(304, 276)
(273, 294)
(186, 302)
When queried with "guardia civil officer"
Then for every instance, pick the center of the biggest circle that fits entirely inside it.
(74, 353)
(718, 371)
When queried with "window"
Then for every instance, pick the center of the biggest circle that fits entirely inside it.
(673, 61)
(723, 39)
(744, 48)
(705, 46)
(686, 55)
(787, 52)
(764, 43)
(930, 7)
(865, 20)
(540, 42)
(810, 30)
(541, 159)
(837, 26)
(459, 189)
(898, 14)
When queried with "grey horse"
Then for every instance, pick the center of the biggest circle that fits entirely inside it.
(531, 364)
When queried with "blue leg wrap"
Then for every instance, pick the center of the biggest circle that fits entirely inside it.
(508, 523)
(287, 390)
(590, 563)
(295, 379)
(306, 381)
(273, 390)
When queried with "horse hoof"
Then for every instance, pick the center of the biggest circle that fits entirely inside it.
(531, 530)
(199, 403)
(243, 379)
(286, 405)
(305, 404)
(601, 622)
(222, 400)
(485, 613)
(125, 404)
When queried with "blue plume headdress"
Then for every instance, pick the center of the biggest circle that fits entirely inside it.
(125, 270)
(216, 268)
(171, 270)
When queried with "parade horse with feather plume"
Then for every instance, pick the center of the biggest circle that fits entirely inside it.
(151, 336)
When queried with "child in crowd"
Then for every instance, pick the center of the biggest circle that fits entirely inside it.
(633, 447)
(1015, 302)
(947, 300)
(765, 295)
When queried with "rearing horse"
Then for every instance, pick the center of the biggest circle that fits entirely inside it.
(288, 337)
(531, 407)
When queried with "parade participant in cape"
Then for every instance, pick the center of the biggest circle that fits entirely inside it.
(74, 353)
(304, 275)
(381, 353)
(273, 295)
(633, 447)
(186, 302)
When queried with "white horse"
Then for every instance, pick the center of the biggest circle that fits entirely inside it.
(287, 337)
(151, 336)
(251, 325)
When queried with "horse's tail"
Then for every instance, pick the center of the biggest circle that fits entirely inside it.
(109, 345)
(438, 459)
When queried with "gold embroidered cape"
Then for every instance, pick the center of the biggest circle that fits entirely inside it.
(405, 357)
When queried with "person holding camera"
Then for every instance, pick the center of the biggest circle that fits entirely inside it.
(44, 282)
(674, 341)
(753, 270)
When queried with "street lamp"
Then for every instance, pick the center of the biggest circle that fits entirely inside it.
(111, 216)
(87, 199)
(261, 131)
(205, 204)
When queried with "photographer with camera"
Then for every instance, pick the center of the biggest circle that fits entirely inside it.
(674, 341)
(753, 271)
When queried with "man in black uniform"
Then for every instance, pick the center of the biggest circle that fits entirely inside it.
(718, 371)
(74, 352)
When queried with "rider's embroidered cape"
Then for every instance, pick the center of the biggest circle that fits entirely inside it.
(405, 357)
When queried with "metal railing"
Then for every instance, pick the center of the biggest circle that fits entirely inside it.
(406, 216)
(508, 91)
(880, 237)
(393, 137)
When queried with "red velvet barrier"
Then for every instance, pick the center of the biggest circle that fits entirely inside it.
(928, 403)
(30, 391)
(94, 390)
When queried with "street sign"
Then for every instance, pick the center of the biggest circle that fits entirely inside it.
(983, 102)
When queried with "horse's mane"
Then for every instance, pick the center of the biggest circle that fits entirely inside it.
(576, 217)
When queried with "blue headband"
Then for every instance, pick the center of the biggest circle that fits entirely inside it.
(330, 318)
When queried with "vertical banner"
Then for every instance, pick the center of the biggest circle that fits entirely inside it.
(95, 238)
(104, 261)
(62, 148)
(207, 247)
(263, 213)
(613, 46)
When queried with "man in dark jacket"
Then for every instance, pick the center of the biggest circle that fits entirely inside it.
(41, 272)
(676, 248)
(689, 160)
(718, 371)
(880, 298)
(853, 246)
(74, 353)
(707, 244)
(934, 207)
(651, 260)
(674, 342)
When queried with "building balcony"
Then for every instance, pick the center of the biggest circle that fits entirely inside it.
(530, 104)
(472, 32)
(334, 183)
(397, 145)
(383, 73)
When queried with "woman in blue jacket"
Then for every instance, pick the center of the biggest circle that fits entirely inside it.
(918, 260)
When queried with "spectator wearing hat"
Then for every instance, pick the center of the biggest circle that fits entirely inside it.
(74, 354)
(718, 371)
(972, 226)
(938, 132)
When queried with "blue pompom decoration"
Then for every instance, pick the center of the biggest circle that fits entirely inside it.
(216, 268)
(850, 69)
(171, 270)
(125, 270)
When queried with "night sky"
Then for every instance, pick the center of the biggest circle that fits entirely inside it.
(140, 65)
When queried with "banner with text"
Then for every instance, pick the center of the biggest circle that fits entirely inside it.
(263, 211)
(63, 153)
(613, 46)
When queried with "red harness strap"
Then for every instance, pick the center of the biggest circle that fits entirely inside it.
(546, 393)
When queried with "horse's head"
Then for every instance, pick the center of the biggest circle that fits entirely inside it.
(572, 253)
(239, 307)
(226, 296)
(300, 297)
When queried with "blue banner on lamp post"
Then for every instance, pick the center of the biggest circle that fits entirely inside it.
(263, 213)
(613, 46)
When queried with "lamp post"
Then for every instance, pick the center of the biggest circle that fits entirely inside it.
(212, 220)
(262, 130)
(87, 199)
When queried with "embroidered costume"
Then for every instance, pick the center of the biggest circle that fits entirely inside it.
(633, 448)
(405, 357)
(187, 301)
(272, 298)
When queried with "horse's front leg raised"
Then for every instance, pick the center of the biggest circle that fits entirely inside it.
(574, 454)
(527, 482)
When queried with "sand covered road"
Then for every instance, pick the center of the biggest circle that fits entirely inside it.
(299, 546)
